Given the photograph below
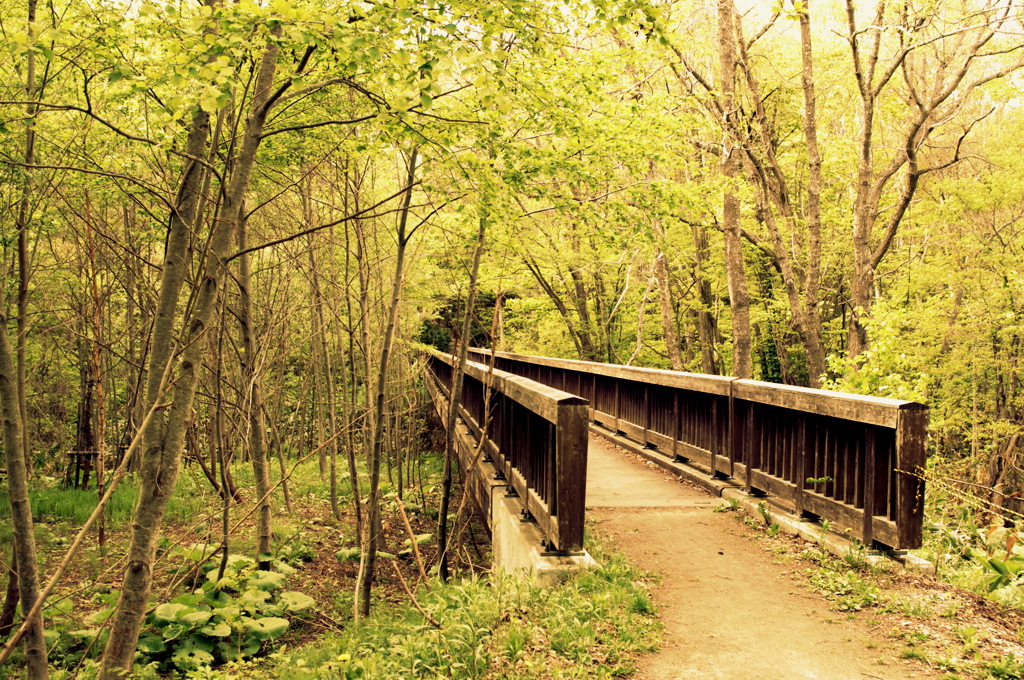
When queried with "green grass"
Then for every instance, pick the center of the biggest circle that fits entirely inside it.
(51, 503)
(591, 626)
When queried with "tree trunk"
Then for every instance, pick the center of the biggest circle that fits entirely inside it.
(165, 442)
(21, 513)
(812, 277)
(97, 373)
(254, 402)
(368, 553)
(11, 597)
(739, 298)
(454, 401)
(668, 314)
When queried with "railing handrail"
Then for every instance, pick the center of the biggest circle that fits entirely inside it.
(562, 520)
(856, 460)
(538, 397)
(858, 407)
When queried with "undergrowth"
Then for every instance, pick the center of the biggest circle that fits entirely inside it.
(591, 626)
(51, 503)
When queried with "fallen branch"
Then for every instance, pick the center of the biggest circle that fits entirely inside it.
(412, 598)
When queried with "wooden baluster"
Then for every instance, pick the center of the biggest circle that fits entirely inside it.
(675, 427)
(803, 449)
(735, 439)
(617, 408)
(647, 414)
(749, 446)
(867, 530)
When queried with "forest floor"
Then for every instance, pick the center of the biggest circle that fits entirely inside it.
(738, 602)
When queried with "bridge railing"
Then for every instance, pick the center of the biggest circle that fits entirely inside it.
(856, 461)
(534, 435)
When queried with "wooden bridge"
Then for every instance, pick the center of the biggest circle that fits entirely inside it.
(855, 461)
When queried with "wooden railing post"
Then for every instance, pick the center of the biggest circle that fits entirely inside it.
(911, 435)
(571, 432)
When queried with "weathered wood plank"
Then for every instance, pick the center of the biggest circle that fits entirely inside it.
(710, 384)
(537, 397)
(772, 437)
(571, 439)
(858, 408)
(911, 434)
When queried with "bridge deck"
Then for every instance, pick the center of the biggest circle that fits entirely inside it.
(613, 482)
(729, 610)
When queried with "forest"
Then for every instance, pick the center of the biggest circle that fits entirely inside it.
(228, 227)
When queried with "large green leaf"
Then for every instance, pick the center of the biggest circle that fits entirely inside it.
(239, 561)
(420, 539)
(191, 657)
(195, 618)
(253, 600)
(171, 611)
(266, 580)
(173, 631)
(218, 629)
(151, 644)
(267, 627)
(294, 601)
(346, 554)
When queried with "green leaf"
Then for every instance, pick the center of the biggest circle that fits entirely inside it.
(266, 628)
(219, 629)
(346, 554)
(195, 618)
(266, 580)
(420, 539)
(171, 611)
(253, 599)
(239, 561)
(151, 644)
(294, 601)
(86, 633)
(192, 657)
(98, 617)
(173, 631)
(284, 568)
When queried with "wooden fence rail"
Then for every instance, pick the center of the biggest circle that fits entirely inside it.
(534, 435)
(856, 461)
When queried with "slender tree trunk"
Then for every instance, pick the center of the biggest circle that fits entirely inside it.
(254, 402)
(324, 361)
(22, 229)
(162, 457)
(348, 375)
(13, 405)
(812, 278)
(368, 554)
(21, 513)
(705, 319)
(97, 375)
(739, 298)
(11, 597)
(455, 400)
(668, 314)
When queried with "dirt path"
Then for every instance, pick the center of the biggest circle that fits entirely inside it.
(729, 611)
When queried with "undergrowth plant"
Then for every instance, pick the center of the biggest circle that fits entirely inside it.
(229, 617)
(591, 626)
